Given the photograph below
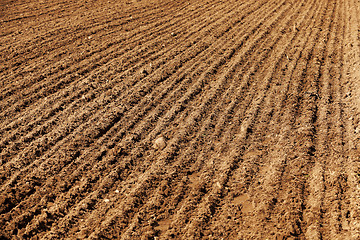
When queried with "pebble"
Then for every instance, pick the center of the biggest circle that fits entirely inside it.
(159, 143)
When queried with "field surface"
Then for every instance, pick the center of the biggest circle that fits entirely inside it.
(179, 119)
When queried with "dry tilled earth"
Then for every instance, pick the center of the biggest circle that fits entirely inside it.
(178, 119)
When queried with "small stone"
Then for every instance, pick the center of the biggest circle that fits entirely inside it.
(106, 200)
(117, 191)
(159, 143)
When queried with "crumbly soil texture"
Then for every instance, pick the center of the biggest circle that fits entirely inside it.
(179, 119)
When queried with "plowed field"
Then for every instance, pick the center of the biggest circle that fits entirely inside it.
(180, 119)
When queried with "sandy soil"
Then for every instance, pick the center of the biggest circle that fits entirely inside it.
(185, 119)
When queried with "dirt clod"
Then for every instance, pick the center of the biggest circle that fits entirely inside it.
(159, 143)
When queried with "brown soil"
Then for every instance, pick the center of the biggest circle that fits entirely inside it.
(159, 119)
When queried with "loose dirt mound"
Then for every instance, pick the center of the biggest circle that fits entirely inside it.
(179, 119)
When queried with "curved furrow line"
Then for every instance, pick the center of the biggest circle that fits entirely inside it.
(100, 73)
(339, 209)
(109, 45)
(198, 134)
(230, 109)
(244, 133)
(24, 7)
(95, 157)
(35, 11)
(277, 165)
(33, 113)
(208, 122)
(228, 54)
(109, 56)
(78, 94)
(144, 13)
(244, 74)
(19, 19)
(272, 171)
(260, 56)
(126, 39)
(184, 172)
(230, 72)
(265, 135)
(235, 121)
(301, 157)
(328, 73)
(314, 215)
